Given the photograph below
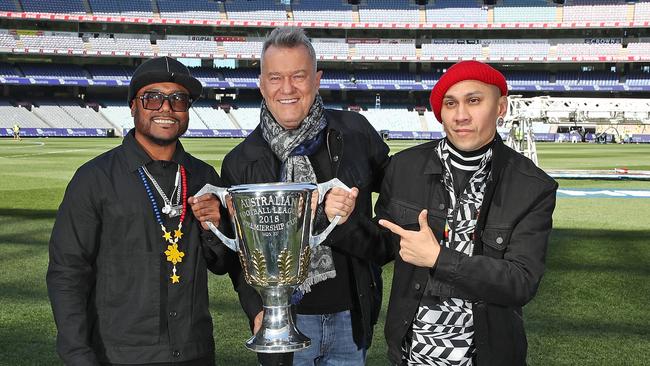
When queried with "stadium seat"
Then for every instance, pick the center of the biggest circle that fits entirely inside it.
(595, 10)
(456, 11)
(389, 11)
(255, 10)
(194, 9)
(518, 11)
(322, 10)
(137, 8)
(53, 6)
(7, 5)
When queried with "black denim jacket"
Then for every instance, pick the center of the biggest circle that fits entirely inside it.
(108, 277)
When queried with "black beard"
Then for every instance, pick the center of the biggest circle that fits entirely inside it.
(161, 142)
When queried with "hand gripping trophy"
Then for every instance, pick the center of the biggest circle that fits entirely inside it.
(273, 228)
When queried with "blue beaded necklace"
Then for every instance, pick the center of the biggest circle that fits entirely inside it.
(173, 254)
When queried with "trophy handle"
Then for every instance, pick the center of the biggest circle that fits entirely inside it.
(221, 194)
(323, 188)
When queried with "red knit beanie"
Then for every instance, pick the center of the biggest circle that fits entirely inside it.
(465, 70)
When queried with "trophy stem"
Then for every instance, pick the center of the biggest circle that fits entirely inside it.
(278, 333)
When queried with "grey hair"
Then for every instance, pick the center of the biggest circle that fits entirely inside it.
(288, 37)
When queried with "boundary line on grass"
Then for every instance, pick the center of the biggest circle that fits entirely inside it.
(603, 193)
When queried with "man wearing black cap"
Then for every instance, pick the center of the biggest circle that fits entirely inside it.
(127, 274)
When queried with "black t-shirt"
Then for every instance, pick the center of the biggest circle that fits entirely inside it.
(335, 294)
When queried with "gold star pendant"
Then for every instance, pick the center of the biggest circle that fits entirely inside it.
(167, 235)
(175, 278)
(178, 234)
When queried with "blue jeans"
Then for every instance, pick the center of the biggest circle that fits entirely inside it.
(331, 341)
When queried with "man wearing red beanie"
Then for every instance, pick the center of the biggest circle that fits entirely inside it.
(469, 220)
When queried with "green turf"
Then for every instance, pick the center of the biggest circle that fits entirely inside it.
(591, 308)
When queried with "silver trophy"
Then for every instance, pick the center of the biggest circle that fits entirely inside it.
(273, 229)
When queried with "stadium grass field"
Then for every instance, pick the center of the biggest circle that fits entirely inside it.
(591, 309)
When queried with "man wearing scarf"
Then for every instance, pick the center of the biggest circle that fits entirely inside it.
(470, 220)
(298, 140)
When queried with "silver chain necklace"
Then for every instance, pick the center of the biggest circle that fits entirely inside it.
(171, 210)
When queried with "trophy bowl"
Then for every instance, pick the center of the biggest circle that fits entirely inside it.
(273, 228)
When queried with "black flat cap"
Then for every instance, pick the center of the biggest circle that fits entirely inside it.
(163, 70)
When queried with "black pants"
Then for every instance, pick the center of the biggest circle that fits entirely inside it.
(203, 361)
(275, 359)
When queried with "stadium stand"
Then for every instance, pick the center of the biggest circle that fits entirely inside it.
(511, 11)
(255, 10)
(19, 115)
(430, 78)
(331, 76)
(8, 70)
(120, 43)
(71, 42)
(185, 46)
(432, 122)
(527, 78)
(330, 49)
(639, 48)
(337, 10)
(206, 73)
(452, 50)
(250, 49)
(61, 71)
(638, 79)
(595, 10)
(129, 44)
(109, 72)
(389, 11)
(246, 116)
(587, 78)
(240, 74)
(511, 48)
(7, 42)
(213, 118)
(546, 60)
(85, 116)
(385, 49)
(123, 7)
(54, 6)
(50, 112)
(195, 122)
(456, 11)
(194, 9)
(393, 119)
(642, 11)
(384, 77)
(118, 113)
(587, 49)
(8, 5)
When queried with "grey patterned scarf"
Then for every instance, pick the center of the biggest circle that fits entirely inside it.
(293, 147)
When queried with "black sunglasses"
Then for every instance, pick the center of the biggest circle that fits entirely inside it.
(153, 101)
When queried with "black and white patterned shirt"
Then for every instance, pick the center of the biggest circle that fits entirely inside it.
(443, 329)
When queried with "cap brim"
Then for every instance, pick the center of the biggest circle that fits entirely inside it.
(193, 85)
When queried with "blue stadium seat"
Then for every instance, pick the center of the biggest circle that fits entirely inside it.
(7, 5)
(53, 6)
(124, 7)
(196, 9)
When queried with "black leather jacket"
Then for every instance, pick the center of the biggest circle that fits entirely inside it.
(503, 273)
(358, 157)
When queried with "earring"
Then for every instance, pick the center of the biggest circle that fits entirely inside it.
(500, 121)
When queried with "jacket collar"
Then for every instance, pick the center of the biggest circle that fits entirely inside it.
(136, 156)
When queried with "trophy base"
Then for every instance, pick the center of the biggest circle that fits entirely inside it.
(278, 333)
(282, 345)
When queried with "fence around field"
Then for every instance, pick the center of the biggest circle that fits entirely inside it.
(391, 135)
